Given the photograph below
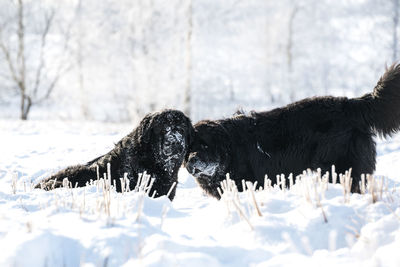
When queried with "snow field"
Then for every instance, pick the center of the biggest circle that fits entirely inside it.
(93, 226)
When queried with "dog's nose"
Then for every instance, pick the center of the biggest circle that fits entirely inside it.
(196, 171)
(192, 166)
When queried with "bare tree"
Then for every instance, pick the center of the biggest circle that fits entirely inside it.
(395, 26)
(289, 48)
(80, 61)
(188, 88)
(31, 91)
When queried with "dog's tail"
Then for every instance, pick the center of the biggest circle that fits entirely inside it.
(381, 108)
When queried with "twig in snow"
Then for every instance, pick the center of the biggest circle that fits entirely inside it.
(170, 190)
(251, 189)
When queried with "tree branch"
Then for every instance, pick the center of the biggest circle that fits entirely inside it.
(7, 55)
(21, 46)
(60, 69)
(48, 22)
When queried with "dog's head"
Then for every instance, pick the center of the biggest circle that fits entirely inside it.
(209, 157)
(168, 135)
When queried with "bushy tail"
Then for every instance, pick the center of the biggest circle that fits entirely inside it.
(381, 108)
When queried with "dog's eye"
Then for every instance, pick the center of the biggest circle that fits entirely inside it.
(203, 146)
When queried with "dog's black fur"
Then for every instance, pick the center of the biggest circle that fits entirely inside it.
(312, 133)
(157, 146)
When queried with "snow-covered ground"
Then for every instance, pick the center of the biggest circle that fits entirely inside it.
(72, 227)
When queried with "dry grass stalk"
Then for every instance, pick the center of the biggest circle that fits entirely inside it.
(353, 231)
(278, 181)
(31, 185)
(290, 181)
(325, 183)
(251, 190)
(170, 190)
(144, 183)
(139, 181)
(313, 182)
(29, 226)
(14, 180)
(219, 192)
(242, 215)
(371, 188)
(305, 188)
(65, 183)
(124, 183)
(346, 181)
(109, 171)
(317, 198)
(266, 184)
(97, 172)
(243, 185)
(107, 194)
(140, 205)
(362, 184)
(249, 196)
(255, 185)
(230, 194)
(381, 186)
(148, 188)
(319, 176)
(127, 182)
(54, 184)
(334, 175)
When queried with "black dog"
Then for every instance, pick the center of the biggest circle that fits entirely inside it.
(312, 133)
(157, 146)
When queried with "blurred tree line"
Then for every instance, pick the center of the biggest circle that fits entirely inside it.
(118, 60)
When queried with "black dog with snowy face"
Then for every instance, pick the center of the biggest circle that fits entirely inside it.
(313, 133)
(158, 146)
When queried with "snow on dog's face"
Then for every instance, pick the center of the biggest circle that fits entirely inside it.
(208, 159)
(172, 133)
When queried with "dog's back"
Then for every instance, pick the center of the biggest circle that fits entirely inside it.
(324, 131)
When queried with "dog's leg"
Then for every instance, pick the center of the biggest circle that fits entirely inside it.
(76, 175)
(362, 157)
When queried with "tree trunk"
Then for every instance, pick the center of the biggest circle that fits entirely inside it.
(17, 63)
(25, 107)
(395, 26)
(79, 59)
(22, 115)
(289, 52)
(188, 89)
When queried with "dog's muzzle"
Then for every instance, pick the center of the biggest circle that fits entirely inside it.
(199, 168)
(174, 143)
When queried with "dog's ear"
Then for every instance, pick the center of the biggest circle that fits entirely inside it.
(145, 129)
(191, 135)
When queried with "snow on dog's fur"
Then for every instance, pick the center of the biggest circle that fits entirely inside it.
(313, 133)
(157, 146)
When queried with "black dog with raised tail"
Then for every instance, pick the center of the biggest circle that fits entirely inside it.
(313, 133)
